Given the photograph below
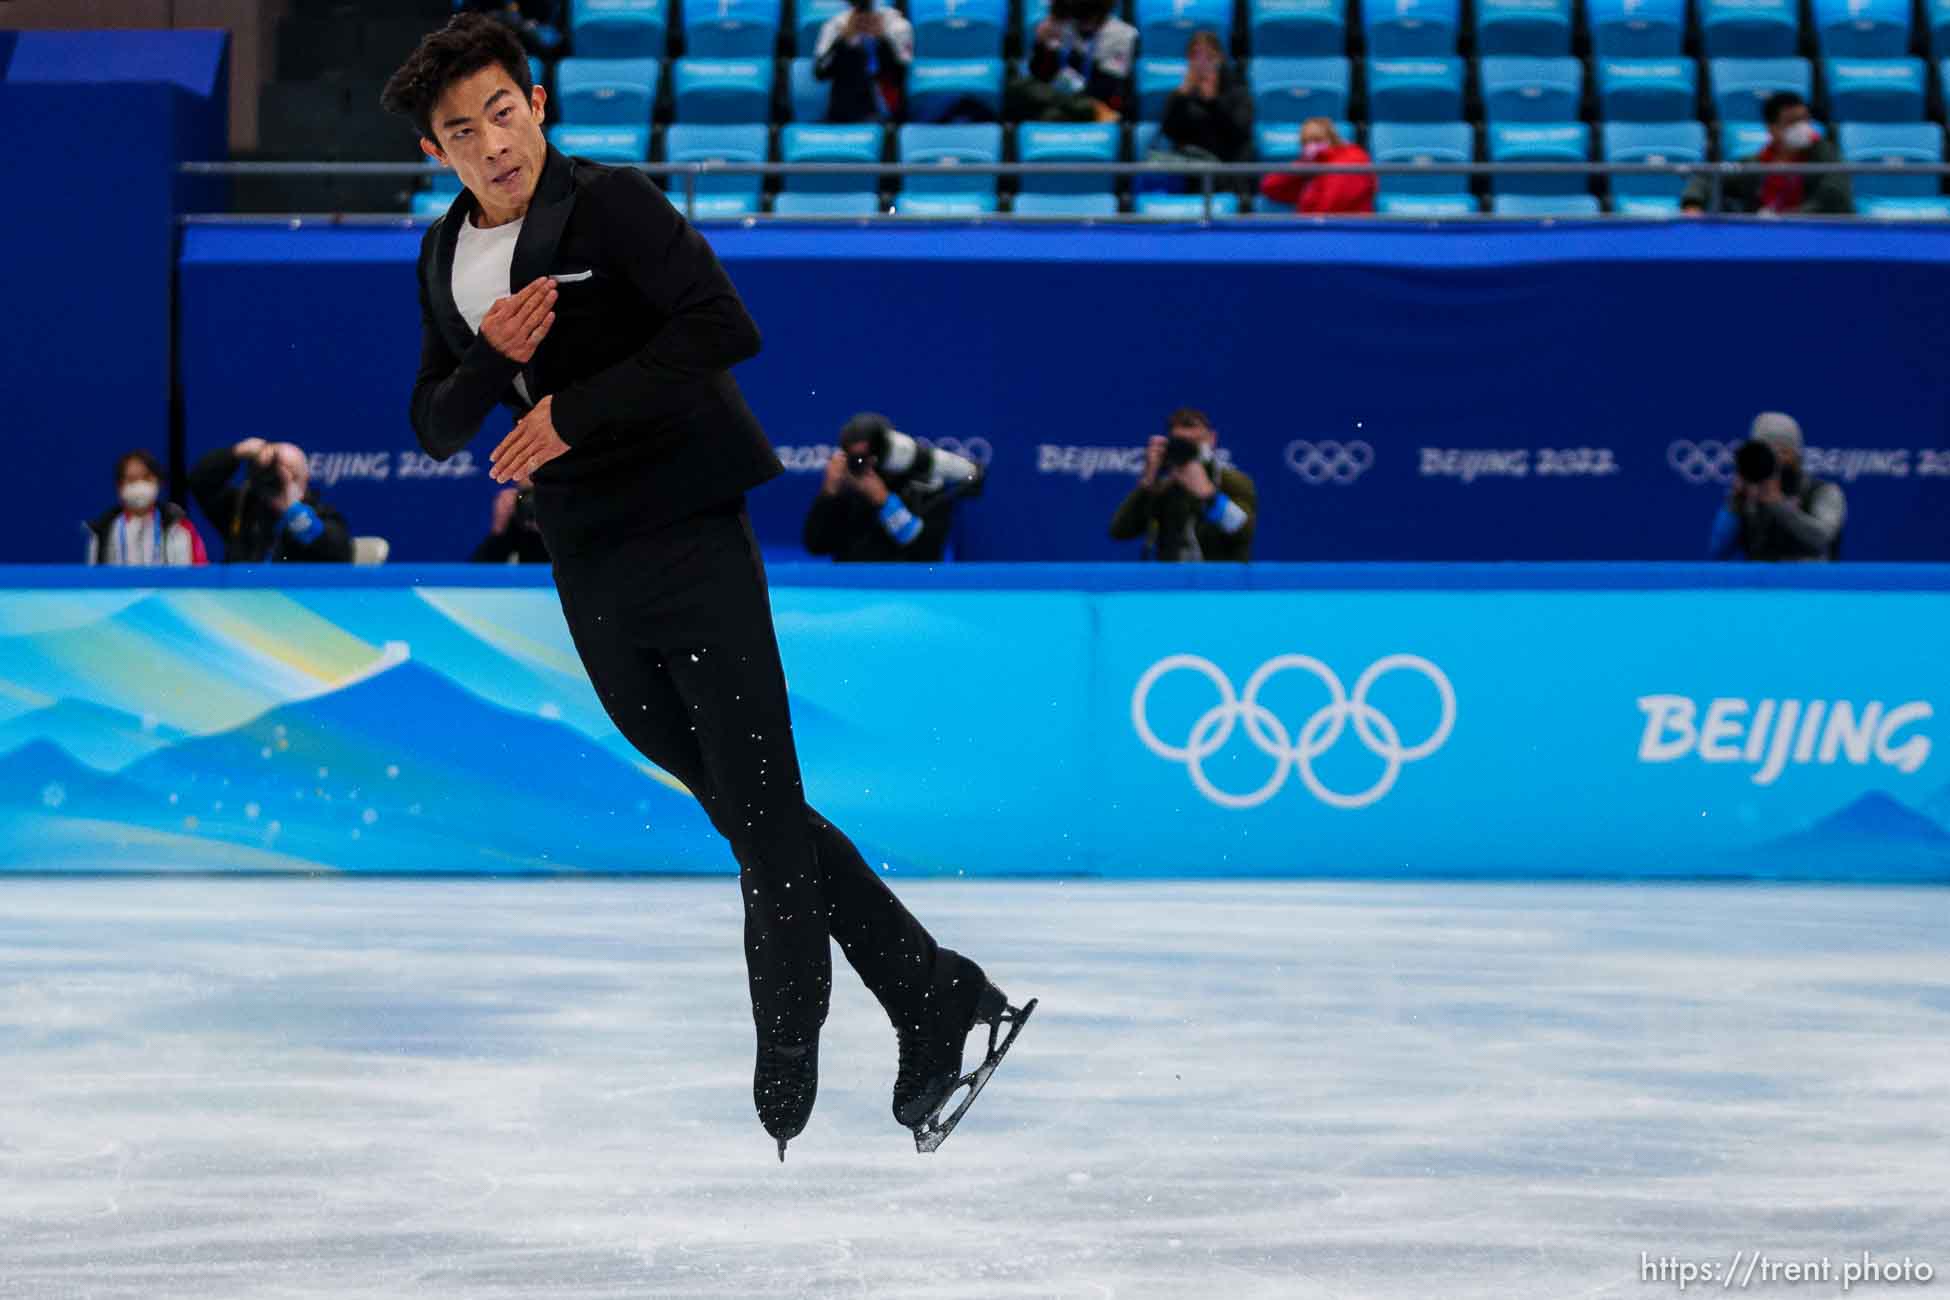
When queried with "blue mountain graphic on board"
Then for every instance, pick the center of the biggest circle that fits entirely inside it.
(100, 736)
(1876, 836)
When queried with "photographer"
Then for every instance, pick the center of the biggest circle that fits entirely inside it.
(1775, 511)
(272, 515)
(1080, 69)
(1187, 506)
(887, 496)
(513, 535)
(864, 52)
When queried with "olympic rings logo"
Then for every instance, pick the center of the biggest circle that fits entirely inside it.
(1316, 736)
(977, 451)
(1329, 462)
(1701, 462)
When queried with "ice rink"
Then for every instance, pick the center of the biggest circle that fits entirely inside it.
(342, 1087)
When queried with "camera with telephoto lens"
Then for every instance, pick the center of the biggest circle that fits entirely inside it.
(1179, 451)
(266, 484)
(904, 461)
(1755, 462)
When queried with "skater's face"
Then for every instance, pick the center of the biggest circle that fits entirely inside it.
(491, 135)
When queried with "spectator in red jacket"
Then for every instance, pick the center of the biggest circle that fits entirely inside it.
(1326, 193)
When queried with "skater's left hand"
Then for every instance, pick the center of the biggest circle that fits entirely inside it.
(533, 444)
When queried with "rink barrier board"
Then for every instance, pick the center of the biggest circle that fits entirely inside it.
(1119, 721)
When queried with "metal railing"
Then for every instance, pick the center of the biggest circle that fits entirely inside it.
(1208, 176)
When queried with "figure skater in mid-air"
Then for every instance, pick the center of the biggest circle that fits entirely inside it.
(579, 296)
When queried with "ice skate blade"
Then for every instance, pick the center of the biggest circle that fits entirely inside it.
(931, 1132)
(781, 1150)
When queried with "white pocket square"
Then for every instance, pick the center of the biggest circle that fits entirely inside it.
(576, 278)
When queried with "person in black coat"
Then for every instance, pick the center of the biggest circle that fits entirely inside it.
(1209, 118)
(271, 515)
(578, 295)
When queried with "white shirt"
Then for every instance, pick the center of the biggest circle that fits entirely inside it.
(484, 263)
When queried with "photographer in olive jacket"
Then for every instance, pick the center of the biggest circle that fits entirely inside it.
(1187, 506)
(1775, 510)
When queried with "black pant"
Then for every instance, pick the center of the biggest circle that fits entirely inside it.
(675, 630)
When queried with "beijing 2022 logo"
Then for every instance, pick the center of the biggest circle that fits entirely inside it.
(1294, 751)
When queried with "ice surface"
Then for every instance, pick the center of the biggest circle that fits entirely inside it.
(340, 1087)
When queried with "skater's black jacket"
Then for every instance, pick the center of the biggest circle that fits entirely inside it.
(647, 327)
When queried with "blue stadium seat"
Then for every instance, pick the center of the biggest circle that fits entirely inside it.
(1636, 29)
(442, 179)
(1894, 193)
(1740, 86)
(1874, 90)
(863, 142)
(1651, 142)
(1750, 29)
(1156, 79)
(1532, 90)
(428, 203)
(1430, 142)
(1415, 90)
(811, 15)
(1296, 28)
(605, 144)
(854, 203)
(1165, 26)
(719, 196)
(808, 97)
(1648, 90)
(959, 29)
(1067, 205)
(1187, 207)
(1280, 141)
(1545, 205)
(1936, 16)
(538, 72)
(1741, 140)
(934, 86)
(1862, 29)
(1292, 90)
(731, 29)
(949, 191)
(723, 90)
(1404, 28)
(1535, 142)
(1427, 205)
(619, 29)
(1537, 28)
(1054, 142)
(607, 92)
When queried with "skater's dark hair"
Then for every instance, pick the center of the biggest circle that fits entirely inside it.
(462, 48)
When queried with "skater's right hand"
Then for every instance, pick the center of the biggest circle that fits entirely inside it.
(516, 325)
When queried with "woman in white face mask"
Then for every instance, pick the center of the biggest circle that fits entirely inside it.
(142, 529)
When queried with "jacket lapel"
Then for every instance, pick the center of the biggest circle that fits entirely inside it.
(446, 312)
(541, 230)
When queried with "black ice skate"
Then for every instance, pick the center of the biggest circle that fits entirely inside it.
(784, 1084)
(930, 1073)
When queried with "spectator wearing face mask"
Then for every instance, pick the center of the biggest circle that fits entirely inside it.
(1792, 136)
(1080, 65)
(1324, 193)
(143, 529)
